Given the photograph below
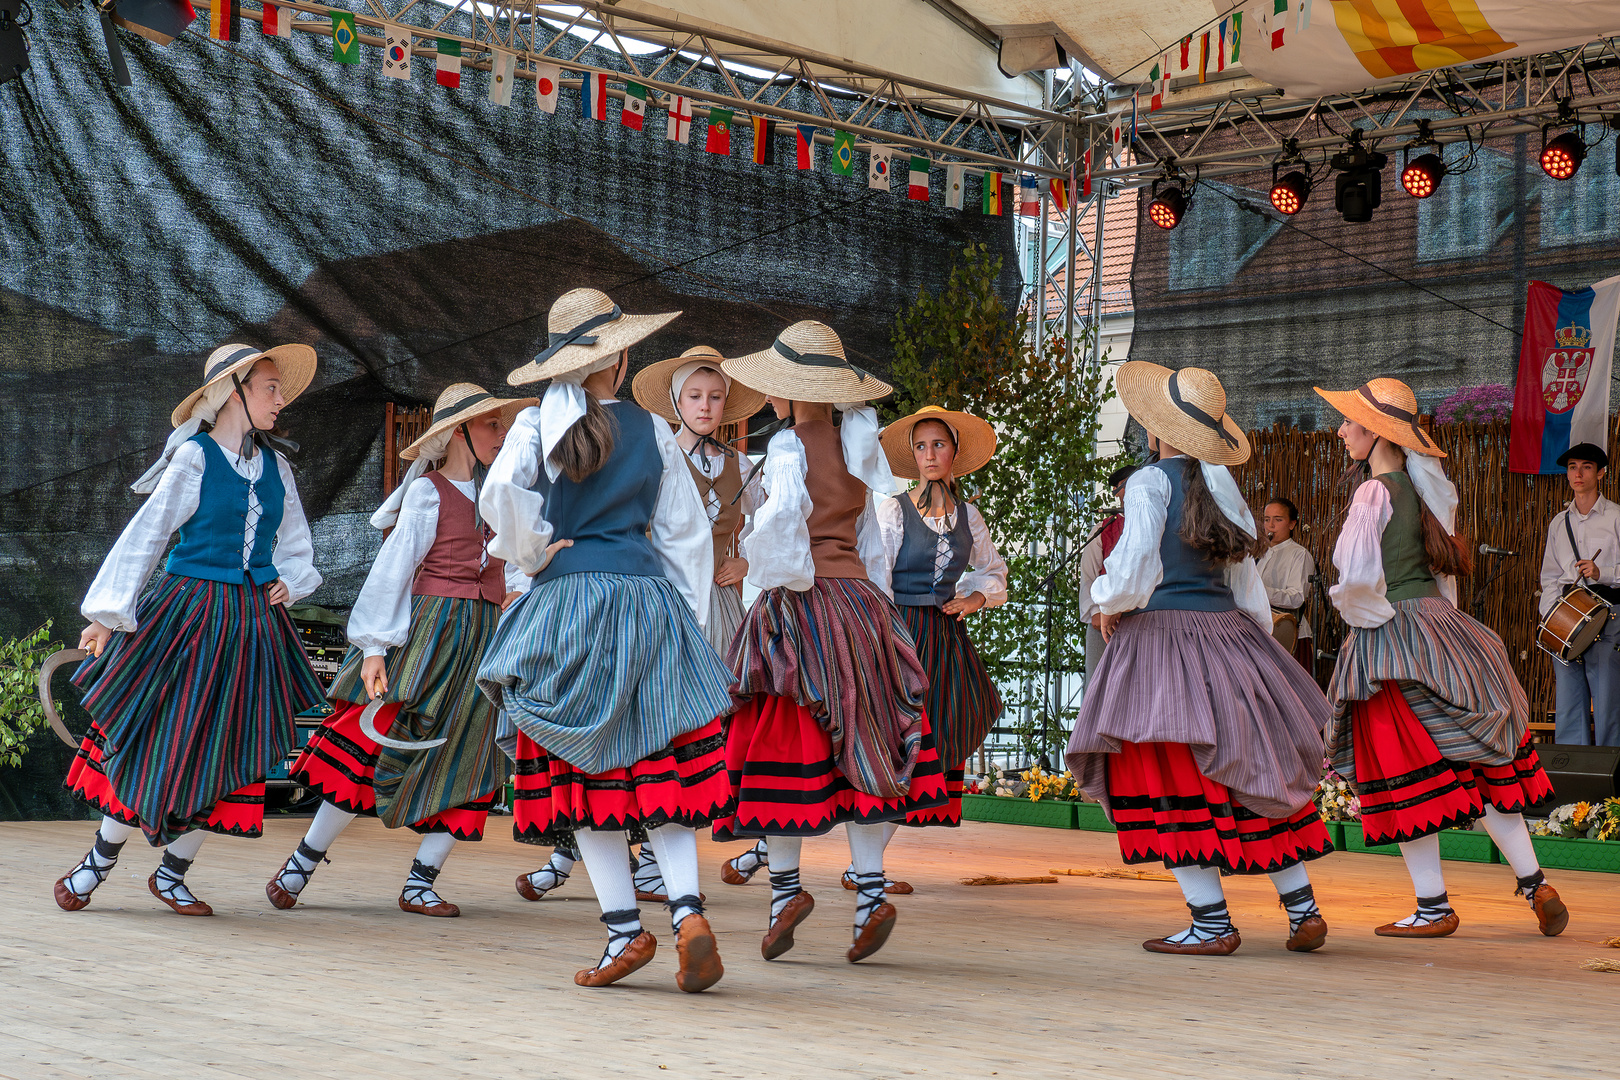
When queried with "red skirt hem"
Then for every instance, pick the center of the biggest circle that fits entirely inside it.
(1167, 811)
(1408, 790)
(683, 784)
(786, 779)
(241, 813)
(339, 763)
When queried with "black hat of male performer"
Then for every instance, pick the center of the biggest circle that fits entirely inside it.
(1585, 452)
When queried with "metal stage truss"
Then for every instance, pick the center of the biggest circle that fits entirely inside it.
(1252, 128)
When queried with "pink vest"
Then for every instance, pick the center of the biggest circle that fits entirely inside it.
(451, 566)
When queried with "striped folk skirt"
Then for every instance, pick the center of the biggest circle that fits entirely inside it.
(962, 703)
(193, 710)
(604, 670)
(1219, 685)
(1409, 789)
(1452, 671)
(683, 784)
(726, 613)
(1167, 811)
(432, 693)
(832, 727)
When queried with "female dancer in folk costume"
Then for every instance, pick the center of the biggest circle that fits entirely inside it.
(1199, 733)
(690, 392)
(194, 686)
(1430, 723)
(831, 728)
(417, 632)
(602, 666)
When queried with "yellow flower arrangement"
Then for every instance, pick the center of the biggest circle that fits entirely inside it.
(1578, 816)
(1044, 785)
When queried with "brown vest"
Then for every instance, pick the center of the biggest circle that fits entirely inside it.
(836, 501)
(451, 565)
(725, 487)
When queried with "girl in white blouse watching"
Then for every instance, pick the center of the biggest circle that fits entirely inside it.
(193, 684)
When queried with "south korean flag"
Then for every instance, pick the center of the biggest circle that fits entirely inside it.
(397, 52)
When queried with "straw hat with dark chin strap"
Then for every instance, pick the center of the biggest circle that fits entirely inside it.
(1388, 409)
(586, 331)
(1185, 408)
(806, 362)
(657, 386)
(975, 441)
(457, 405)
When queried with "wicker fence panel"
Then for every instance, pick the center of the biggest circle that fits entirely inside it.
(1503, 509)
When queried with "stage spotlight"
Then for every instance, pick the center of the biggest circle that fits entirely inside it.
(1166, 209)
(1357, 190)
(1563, 155)
(1288, 195)
(1422, 175)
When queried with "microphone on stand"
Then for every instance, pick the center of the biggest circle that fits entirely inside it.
(1486, 549)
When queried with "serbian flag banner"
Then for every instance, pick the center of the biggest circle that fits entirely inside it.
(1562, 397)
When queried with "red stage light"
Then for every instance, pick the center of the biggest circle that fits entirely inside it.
(1288, 195)
(1166, 210)
(1563, 155)
(1422, 175)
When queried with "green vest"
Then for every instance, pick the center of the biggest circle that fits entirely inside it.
(1406, 564)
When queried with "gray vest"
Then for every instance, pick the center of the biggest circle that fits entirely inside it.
(1192, 580)
(913, 579)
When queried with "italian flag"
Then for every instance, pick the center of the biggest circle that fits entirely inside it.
(447, 68)
(1279, 17)
(919, 179)
(1160, 78)
(635, 105)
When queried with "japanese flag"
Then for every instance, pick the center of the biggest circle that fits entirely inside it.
(547, 83)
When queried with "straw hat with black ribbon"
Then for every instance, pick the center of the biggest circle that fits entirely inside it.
(975, 441)
(458, 404)
(1185, 408)
(586, 333)
(1388, 409)
(657, 387)
(222, 373)
(806, 362)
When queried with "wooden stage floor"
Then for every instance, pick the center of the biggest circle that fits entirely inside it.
(1009, 981)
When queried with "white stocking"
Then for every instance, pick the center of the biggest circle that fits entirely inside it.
(435, 849)
(607, 858)
(188, 845)
(676, 846)
(329, 822)
(866, 843)
(1512, 839)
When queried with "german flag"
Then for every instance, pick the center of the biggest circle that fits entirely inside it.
(764, 141)
(224, 20)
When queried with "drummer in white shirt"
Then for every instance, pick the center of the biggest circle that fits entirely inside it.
(1285, 570)
(1588, 689)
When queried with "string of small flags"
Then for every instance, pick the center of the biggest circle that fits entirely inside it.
(398, 41)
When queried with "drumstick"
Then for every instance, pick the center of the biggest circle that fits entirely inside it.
(1593, 560)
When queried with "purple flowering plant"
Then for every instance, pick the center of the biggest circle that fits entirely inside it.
(1476, 405)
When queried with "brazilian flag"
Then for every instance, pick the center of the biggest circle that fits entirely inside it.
(843, 153)
(345, 45)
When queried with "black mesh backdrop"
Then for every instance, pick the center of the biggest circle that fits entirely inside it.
(1273, 311)
(214, 202)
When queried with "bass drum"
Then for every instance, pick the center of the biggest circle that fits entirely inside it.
(1573, 624)
(1285, 628)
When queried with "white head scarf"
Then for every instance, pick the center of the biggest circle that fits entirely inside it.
(432, 450)
(563, 406)
(1219, 480)
(863, 453)
(205, 411)
(1438, 493)
(677, 381)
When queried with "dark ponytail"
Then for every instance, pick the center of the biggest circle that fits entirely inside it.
(1447, 554)
(585, 447)
(1205, 528)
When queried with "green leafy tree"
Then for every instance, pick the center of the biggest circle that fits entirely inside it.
(1041, 495)
(20, 711)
